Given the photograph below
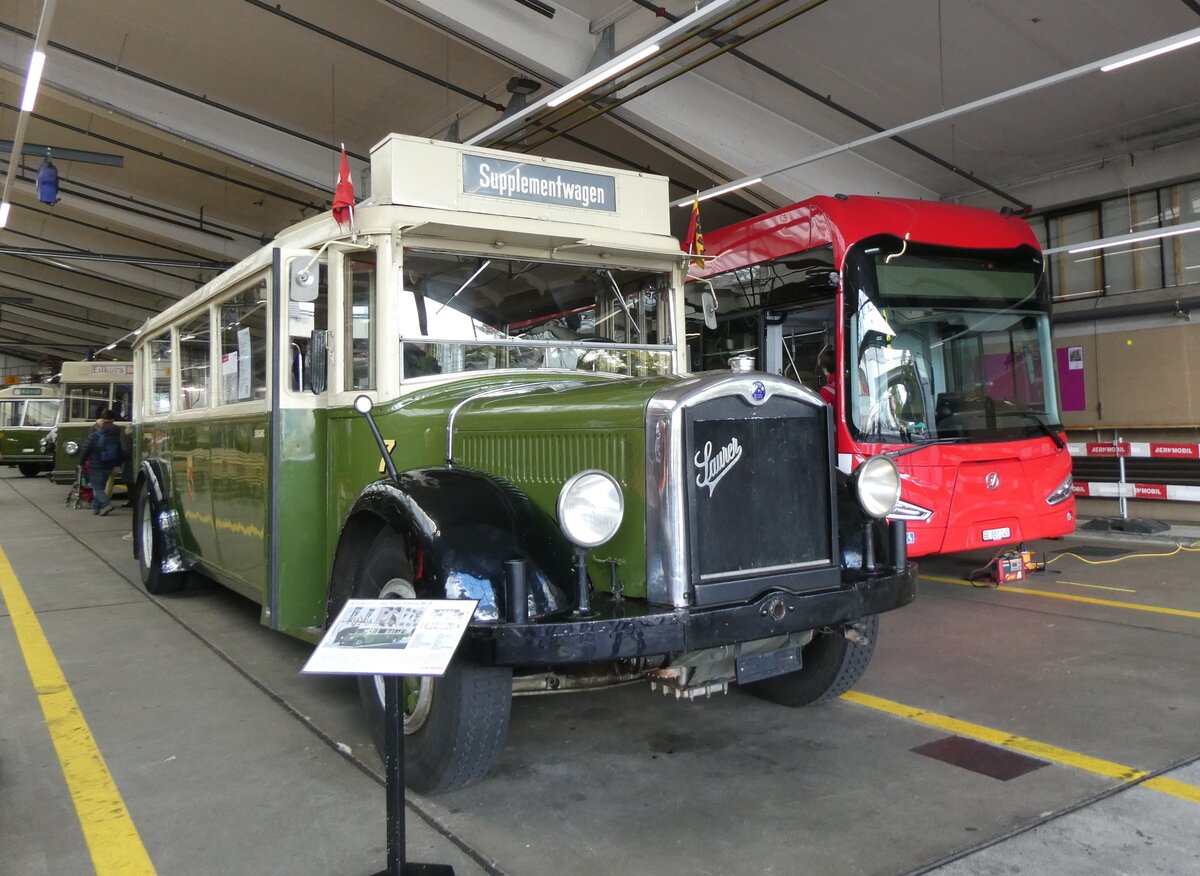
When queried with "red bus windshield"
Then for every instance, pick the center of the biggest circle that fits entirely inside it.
(946, 344)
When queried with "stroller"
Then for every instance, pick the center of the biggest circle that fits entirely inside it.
(81, 489)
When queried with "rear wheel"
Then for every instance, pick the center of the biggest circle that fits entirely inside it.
(150, 548)
(831, 665)
(454, 726)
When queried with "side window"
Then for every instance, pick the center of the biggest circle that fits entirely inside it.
(160, 374)
(244, 345)
(359, 322)
(10, 413)
(305, 317)
(86, 402)
(193, 362)
(122, 401)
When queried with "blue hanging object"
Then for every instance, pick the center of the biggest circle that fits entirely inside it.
(47, 182)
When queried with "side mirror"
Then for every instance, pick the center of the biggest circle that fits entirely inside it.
(708, 302)
(318, 360)
(302, 282)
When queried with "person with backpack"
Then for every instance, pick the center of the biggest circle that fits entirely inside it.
(101, 452)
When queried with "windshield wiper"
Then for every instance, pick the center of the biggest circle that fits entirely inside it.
(892, 454)
(1045, 427)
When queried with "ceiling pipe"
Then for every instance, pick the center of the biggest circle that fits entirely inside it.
(698, 19)
(670, 148)
(611, 103)
(832, 104)
(32, 252)
(175, 162)
(1178, 307)
(378, 56)
(944, 115)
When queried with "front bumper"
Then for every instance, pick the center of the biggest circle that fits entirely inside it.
(621, 629)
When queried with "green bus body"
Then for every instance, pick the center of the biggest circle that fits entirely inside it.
(520, 358)
(28, 413)
(218, 471)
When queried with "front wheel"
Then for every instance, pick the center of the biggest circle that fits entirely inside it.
(30, 469)
(830, 665)
(150, 548)
(454, 726)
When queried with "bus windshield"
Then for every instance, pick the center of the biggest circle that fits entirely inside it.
(468, 312)
(946, 343)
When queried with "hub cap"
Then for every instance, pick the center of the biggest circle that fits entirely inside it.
(416, 692)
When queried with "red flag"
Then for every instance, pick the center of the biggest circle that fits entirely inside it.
(343, 193)
(694, 243)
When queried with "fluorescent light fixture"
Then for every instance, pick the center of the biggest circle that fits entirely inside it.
(1135, 238)
(691, 23)
(1177, 41)
(1118, 252)
(1151, 53)
(602, 75)
(4, 208)
(36, 62)
(719, 190)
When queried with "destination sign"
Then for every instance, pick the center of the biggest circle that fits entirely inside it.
(538, 183)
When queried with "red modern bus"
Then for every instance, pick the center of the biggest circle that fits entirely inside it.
(934, 323)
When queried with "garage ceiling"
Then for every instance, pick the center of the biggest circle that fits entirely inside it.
(227, 116)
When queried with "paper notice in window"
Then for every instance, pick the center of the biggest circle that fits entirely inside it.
(245, 362)
(229, 376)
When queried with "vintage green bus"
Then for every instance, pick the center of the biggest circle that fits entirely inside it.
(517, 325)
(28, 411)
(87, 389)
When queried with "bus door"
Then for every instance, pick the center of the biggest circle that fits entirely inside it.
(305, 360)
(238, 436)
(190, 444)
(793, 341)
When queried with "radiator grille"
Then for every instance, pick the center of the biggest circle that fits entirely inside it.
(546, 458)
(759, 493)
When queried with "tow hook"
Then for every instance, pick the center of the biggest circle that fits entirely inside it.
(854, 634)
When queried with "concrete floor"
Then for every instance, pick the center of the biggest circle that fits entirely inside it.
(230, 762)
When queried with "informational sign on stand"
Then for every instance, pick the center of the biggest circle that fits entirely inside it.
(392, 637)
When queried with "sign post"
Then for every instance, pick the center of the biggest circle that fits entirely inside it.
(394, 638)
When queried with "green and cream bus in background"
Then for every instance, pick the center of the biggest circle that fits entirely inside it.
(87, 389)
(512, 327)
(28, 411)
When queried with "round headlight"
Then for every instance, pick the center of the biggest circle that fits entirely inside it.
(590, 508)
(877, 484)
(71, 447)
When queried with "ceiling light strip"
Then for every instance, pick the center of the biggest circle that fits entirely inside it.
(1185, 38)
(591, 82)
(1135, 237)
(1170, 44)
(37, 61)
(605, 72)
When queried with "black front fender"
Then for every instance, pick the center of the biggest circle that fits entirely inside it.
(154, 474)
(458, 526)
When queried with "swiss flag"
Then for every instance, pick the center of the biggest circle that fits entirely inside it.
(343, 194)
(694, 242)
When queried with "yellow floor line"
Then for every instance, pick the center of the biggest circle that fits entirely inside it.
(1090, 600)
(1097, 586)
(112, 838)
(1032, 747)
